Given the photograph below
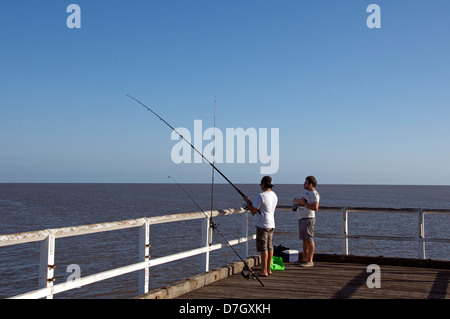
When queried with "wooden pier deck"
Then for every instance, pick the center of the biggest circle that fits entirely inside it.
(333, 278)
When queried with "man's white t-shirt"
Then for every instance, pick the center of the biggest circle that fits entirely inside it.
(310, 197)
(266, 202)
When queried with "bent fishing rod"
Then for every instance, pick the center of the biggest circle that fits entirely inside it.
(214, 226)
(192, 146)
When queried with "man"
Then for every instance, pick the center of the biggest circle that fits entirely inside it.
(264, 209)
(308, 205)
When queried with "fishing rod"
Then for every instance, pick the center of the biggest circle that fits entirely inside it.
(214, 226)
(214, 155)
(200, 153)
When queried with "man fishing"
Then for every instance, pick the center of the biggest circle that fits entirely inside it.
(264, 207)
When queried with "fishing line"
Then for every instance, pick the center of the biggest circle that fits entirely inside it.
(192, 146)
(247, 272)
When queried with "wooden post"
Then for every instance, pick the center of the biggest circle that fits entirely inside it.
(144, 255)
(47, 263)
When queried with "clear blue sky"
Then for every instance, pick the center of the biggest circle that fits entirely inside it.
(352, 104)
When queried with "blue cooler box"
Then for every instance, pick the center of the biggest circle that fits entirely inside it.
(289, 256)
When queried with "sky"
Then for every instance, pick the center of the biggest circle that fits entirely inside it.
(352, 104)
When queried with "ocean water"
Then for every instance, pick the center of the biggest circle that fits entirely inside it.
(30, 207)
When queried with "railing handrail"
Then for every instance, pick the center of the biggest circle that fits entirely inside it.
(379, 209)
(33, 236)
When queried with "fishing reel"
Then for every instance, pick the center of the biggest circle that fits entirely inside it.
(247, 274)
(246, 208)
(213, 224)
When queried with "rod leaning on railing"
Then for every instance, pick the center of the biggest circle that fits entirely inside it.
(48, 238)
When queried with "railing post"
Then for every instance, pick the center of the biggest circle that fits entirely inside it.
(244, 233)
(205, 242)
(144, 255)
(345, 231)
(421, 234)
(47, 263)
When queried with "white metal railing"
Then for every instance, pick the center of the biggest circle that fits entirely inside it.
(47, 239)
(47, 288)
(419, 237)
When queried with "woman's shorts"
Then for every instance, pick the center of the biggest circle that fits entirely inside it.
(306, 229)
(264, 239)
